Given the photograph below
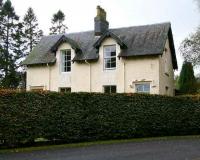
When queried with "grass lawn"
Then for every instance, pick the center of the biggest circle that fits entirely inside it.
(86, 144)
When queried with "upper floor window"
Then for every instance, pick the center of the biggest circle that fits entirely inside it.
(109, 57)
(66, 60)
(142, 88)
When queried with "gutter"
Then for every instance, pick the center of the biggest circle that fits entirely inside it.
(49, 76)
(124, 77)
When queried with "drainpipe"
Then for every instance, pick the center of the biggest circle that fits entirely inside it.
(89, 73)
(49, 76)
(124, 76)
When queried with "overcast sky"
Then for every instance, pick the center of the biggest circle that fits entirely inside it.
(183, 14)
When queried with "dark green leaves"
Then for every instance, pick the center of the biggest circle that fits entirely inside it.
(76, 117)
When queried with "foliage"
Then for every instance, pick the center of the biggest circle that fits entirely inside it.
(198, 83)
(187, 81)
(190, 48)
(11, 45)
(32, 32)
(176, 82)
(57, 23)
(76, 117)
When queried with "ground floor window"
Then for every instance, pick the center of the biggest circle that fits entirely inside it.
(37, 88)
(110, 89)
(142, 88)
(65, 90)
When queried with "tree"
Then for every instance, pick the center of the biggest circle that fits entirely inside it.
(1, 3)
(198, 3)
(190, 48)
(57, 23)
(9, 58)
(187, 81)
(32, 32)
(198, 82)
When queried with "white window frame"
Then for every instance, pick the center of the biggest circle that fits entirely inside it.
(105, 57)
(143, 87)
(65, 61)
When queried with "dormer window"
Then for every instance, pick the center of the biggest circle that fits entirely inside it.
(109, 57)
(66, 60)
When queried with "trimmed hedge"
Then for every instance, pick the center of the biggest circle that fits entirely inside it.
(76, 117)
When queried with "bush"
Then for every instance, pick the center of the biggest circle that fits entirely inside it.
(76, 117)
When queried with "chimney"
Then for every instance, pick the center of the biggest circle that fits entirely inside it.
(100, 23)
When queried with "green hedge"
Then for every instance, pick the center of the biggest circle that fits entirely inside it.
(77, 117)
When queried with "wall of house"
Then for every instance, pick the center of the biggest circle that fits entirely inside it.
(50, 76)
(142, 70)
(37, 76)
(166, 72)
(91, 76)
(61, 79)
(127, 72)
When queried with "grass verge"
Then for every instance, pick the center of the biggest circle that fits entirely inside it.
(87, 144)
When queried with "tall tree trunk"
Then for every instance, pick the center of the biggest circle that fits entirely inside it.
(31, 38)
(7, 47)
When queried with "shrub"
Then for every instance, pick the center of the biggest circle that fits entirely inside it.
(76, 117)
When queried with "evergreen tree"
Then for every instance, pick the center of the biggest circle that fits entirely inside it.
(9, 28)
(32, 32)
(1, 48)
(187, 81)
(1, 3)
(57, 23)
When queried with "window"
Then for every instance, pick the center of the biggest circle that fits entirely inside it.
(66, 60)
(65, 90)
(110, 89)
(109, 57)
(142, 88)
(37, 88)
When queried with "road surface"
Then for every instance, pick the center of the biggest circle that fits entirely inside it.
(188, 149)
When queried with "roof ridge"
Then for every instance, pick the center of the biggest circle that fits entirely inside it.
(153, 24)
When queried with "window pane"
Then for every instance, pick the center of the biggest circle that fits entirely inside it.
(68, 69)
(113, 48)
(113, 53)
(146, 87)
(106, 89)
(107, 55)
(68, 63)
(113, 60)
(139, 87)
(69, 56)
(107, 63)
(107, 49)
(113, 89)
(113, 65)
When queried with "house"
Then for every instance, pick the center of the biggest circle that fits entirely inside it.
(124, 60)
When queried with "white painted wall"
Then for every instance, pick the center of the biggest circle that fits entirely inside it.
(91, 77)
(166, 72)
